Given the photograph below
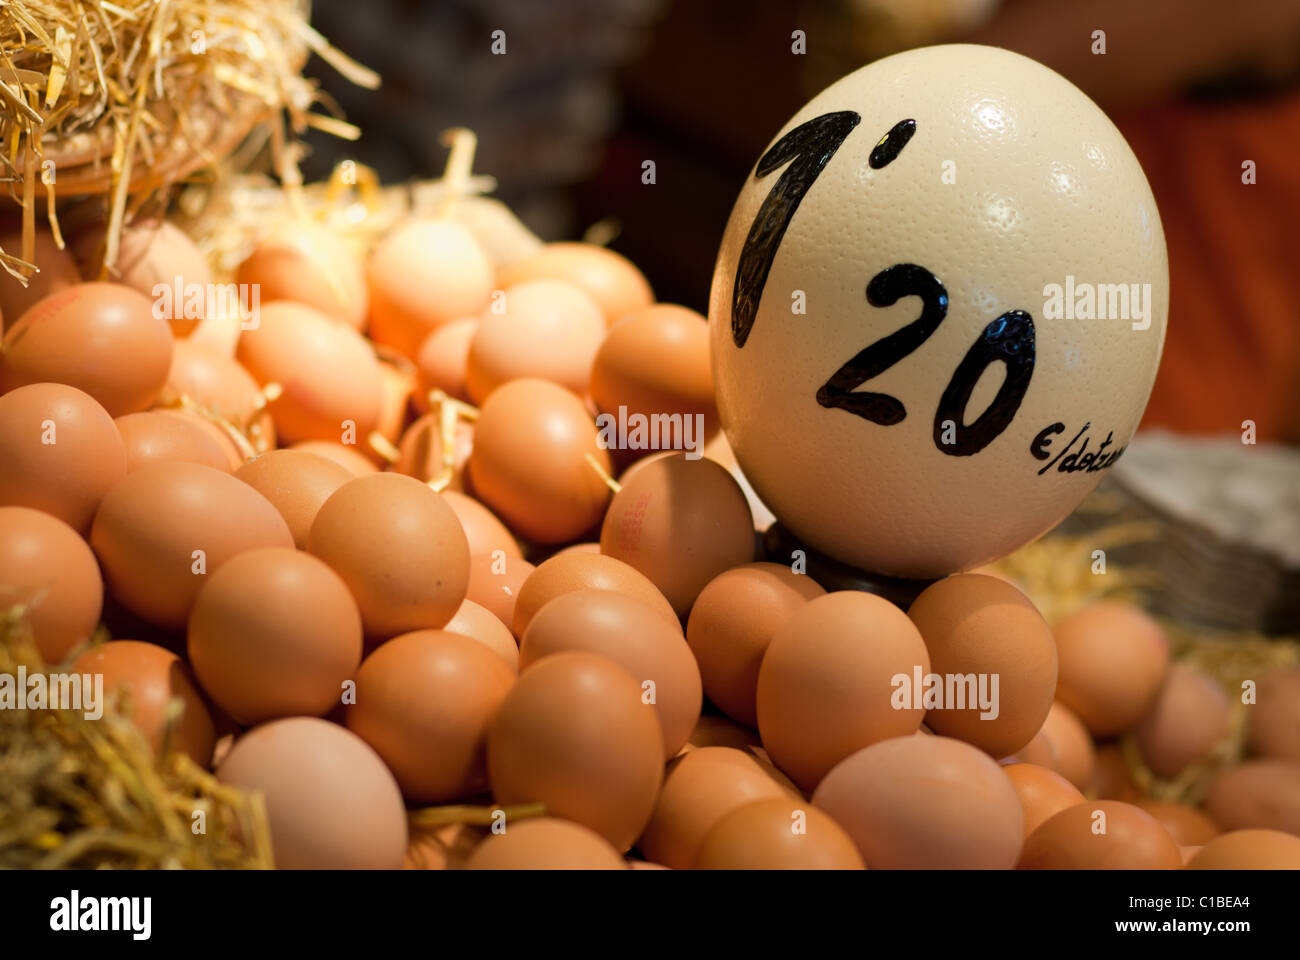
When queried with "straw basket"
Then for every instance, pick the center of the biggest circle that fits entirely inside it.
(125, 98)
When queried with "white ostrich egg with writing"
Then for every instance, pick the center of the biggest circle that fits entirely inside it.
(937, 310)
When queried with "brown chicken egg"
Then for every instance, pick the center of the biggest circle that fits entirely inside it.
(219, 433)
(717, 731)
(982, 627)
(274, 633)
(443, 361)
(421, 453)
(992, 570)
(567, 571)
(222, 387)
(925, 803)
(633, 634)
(1070, 745)
(1043, 793)
(309, 263)
(477, 622)
(1113, 659)
(609, 278)
(495, 580)
(423, 274)
(424, 701)
(347, 456)
(47, 568)
(1101, 835)
(826, 685)
(151, 676)
(655, 360)
(483, 530)
(700, 788)
(530, 462)
(297, 483)
(1188, 826)
(328, 376)
(157, 436)
(102, 338)
(331, 802)
(733, 621)
(545, 843)
(681, 522)
(61, 452)
(399, 548)
(1187, 718)
(1249, 850)
(58, 271)
(573, 733)
(1257, 795)
(1113, 779)
(162, 529)
(1273, 720)
(781, 833)
(1038, 751)
(152, 253)
(545, 329)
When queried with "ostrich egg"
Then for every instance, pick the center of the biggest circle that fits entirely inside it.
(937, 310)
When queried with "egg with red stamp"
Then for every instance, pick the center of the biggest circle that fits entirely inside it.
(103, 338)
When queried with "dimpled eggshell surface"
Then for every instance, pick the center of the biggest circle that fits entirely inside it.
(959, 183)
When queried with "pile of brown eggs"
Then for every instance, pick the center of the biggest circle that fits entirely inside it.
(375, 551)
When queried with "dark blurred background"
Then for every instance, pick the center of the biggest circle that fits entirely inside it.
(590, 89)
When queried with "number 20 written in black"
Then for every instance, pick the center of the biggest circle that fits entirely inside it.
(804, 152)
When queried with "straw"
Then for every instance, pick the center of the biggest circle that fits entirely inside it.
(125, 99)
(90, 793)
